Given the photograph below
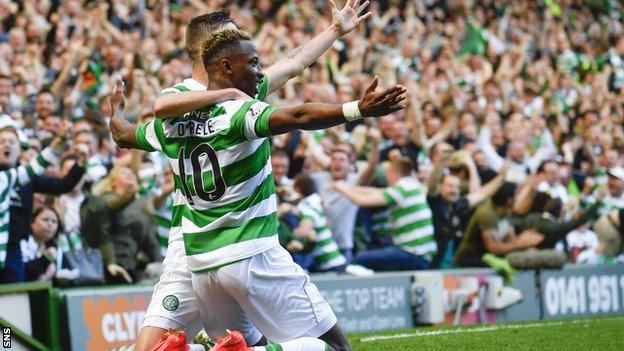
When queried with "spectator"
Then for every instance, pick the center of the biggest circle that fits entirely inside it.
(95, 169)
(545, 217)
(18, 198)
(400, 141)
(343, 212)
(9, 101)
(490, 230)
(313, 225)
(610, 231)
(548, 172)
(615, 184)
(411, 224)
(281, 164)
(451, 210)
(583, 245)
(45, 106)
(39, 248)
(132, 229)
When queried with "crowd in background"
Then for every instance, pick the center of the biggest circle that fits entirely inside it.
(511, 148)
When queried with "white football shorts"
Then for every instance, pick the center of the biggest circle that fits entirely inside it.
(173, 303)
(273, 291)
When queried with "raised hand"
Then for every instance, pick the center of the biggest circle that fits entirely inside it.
(349, 17)
(377, 104)
(117, 98)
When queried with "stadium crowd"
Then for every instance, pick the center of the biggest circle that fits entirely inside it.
(510, 151)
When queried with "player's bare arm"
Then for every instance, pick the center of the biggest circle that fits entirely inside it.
(343, 22)
(300, 58)
(312, 116)
(176, 104)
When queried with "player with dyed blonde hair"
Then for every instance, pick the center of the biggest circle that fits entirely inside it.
(242, 277)
(173, 303)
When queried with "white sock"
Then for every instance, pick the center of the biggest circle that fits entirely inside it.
(301, 344)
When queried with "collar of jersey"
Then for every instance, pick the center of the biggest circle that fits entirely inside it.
(194, 85)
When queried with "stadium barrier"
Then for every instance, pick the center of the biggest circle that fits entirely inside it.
(29, 317)
(42, 318)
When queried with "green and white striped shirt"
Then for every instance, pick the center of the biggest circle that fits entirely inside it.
(326, 251)
(21, 176)
(411, 223)
(224, 202)
(162, 217)
(380, 218)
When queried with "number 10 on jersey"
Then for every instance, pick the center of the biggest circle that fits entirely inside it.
(204, 151)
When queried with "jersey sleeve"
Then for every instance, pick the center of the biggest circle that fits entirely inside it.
(392, 195)
(486, 220)
(24, 174)
(147, 135)
(174, 89)
(254, 124)
(263, 88)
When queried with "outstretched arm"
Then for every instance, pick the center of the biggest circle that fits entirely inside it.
(124, 132)
(343, 21)
(433, 185)
(488, 190)
(171, 105)
(362, 196)
(314, 116)
(373, 156)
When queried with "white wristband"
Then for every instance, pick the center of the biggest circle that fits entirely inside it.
(351, 111)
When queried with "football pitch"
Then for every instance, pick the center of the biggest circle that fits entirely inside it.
(605, 333)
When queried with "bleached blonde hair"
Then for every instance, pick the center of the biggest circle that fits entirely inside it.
(220, 41)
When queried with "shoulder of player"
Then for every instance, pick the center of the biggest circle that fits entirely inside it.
(188, 84)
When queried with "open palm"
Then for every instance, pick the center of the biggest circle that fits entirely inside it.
(117, 99)
(349, 17)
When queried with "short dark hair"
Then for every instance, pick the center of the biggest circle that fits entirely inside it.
(305, 184)
(345, 148)
(542, 165)
(220, 41)
(542, 202)
(403, 165)
(46, 90)
(506, 192)
(589, 112)
(59, 227)
(201, 27)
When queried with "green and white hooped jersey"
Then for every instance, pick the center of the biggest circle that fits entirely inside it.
(380, 218)
(11, 178)
(326, 251)
(162, 218)
(411, 221)
(224, 202)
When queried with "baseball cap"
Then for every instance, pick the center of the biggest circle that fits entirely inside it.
(6, 122)
(617, 172)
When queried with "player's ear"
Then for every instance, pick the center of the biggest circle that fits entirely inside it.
(226, 66)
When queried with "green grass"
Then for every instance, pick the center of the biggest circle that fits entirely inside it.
(605, 333)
